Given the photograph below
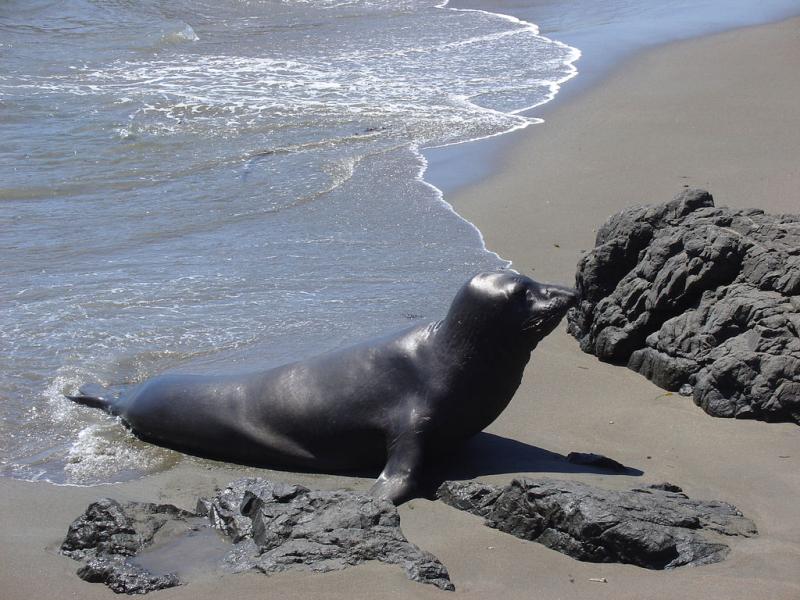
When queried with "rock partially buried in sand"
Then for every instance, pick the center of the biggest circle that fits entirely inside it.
(282, 527)
(699, 298)
(124, 577)
(109, 534)
(270, 527)
(651, 527)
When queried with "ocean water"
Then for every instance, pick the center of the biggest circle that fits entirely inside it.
(217, 186)
(607, 33)
(610, 31)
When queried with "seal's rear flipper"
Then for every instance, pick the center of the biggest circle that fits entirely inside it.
(96, 396)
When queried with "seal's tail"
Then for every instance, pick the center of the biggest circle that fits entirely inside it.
(96, 396)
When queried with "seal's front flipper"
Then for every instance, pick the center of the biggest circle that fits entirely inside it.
(399, 480)
(96, 396)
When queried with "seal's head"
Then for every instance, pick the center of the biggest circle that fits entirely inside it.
(504, 306)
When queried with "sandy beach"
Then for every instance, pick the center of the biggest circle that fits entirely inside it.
(720, 113)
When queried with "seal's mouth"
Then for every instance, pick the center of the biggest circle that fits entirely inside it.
(562, 304)
(546, 315)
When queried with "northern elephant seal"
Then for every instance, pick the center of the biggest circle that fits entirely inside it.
(388, 401)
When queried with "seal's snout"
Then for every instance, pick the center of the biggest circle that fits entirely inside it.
(562, 295)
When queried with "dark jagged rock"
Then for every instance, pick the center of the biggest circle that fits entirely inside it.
(224, 511)
(124, 577)
(470, 496)
(272, 527)
(108, 534)
(292, 527)
(700, 299)
(650, 527)
(666, 486)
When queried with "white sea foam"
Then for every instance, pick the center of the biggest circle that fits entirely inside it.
(431, 81)
(185, 34)
(103, 452)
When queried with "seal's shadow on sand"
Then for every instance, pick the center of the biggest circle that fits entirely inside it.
(490, 454)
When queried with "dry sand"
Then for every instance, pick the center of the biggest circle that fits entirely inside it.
(719, 112)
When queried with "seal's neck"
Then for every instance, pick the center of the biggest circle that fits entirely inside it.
(484, 364)
(471, 346)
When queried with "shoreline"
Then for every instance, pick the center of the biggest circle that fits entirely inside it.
(648, 130)
(603, 54)
(629, 140)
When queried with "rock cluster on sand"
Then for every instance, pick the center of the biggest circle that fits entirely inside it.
(700, 299)
(657, 527)
(271, 526)
(279, 527)
(109, 534)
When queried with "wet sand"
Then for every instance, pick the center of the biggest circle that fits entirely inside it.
(720, 113)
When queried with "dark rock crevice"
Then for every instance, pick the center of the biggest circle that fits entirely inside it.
(688, 294)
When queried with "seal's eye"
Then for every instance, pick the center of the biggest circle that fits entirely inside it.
(542, 293)
(519, 292)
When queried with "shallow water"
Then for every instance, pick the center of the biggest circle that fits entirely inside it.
(207, 187)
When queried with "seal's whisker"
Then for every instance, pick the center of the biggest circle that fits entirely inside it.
(532, 323)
